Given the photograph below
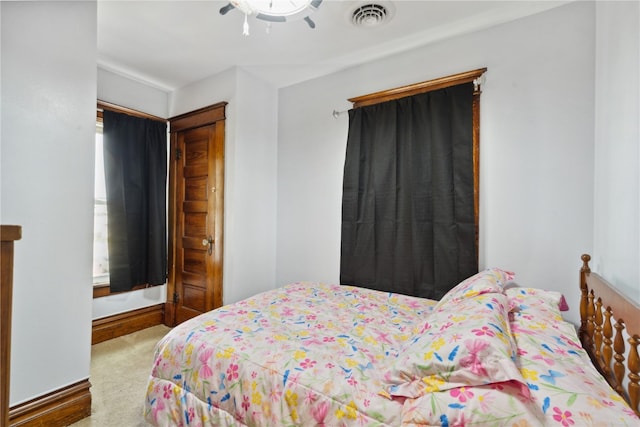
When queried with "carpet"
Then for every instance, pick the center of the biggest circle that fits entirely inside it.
(119, 373)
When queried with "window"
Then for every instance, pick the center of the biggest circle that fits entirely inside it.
(100, 229)
(409, 212)
(129, 249)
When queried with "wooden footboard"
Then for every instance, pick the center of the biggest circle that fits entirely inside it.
(603, 309)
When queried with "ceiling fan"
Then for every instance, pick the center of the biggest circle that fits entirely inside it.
(273, 10)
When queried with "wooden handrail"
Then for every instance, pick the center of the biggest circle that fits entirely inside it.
(8, 234)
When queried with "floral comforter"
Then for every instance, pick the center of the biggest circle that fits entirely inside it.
(311, 354)
(305, 354)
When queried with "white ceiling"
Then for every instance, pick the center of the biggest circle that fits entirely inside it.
(169, 44)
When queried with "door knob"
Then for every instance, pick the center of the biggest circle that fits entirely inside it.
(208, 242)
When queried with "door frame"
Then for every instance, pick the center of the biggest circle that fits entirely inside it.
(213, 114)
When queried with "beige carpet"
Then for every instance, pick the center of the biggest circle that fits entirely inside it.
(119, 372)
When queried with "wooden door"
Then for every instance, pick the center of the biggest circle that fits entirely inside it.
(196, 214)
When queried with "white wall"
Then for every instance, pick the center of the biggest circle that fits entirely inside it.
(537, 112)
(252, 214)
(48, 132)
(617, 152)
(128, 301)
(250, 175)
(126, 92)
(129, 93)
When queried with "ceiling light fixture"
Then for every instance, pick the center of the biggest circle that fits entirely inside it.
(273, 10)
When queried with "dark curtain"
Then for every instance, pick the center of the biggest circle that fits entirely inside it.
(407, 211)
(135, 161)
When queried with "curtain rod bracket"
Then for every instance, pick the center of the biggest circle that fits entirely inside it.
(337, 113)
(479, 82)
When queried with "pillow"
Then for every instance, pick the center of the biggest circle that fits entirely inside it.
(467, 343)
(524, 300)
(491, 280)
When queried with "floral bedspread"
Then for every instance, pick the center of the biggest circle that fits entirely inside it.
(302, 355)
(312, 354)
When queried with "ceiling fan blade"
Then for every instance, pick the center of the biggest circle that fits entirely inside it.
(227, 8)
(271, 18)
(310, 22)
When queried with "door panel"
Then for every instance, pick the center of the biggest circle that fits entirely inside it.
(193, 300)
(196, 189)
(195, 223)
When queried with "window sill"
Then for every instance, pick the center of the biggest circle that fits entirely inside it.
(102, 290)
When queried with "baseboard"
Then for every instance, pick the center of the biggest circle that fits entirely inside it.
(126, 323)
(56, 409)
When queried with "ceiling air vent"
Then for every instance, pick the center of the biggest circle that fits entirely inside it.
(369, 15)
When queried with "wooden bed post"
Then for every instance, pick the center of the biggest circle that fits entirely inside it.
(584, 301)
(634, 377)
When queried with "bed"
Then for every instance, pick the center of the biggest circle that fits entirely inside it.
(489, 353)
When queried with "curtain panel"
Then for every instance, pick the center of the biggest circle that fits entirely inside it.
(135, 157)
(408, 221)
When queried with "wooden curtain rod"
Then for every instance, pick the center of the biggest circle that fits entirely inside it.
(102, 105)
